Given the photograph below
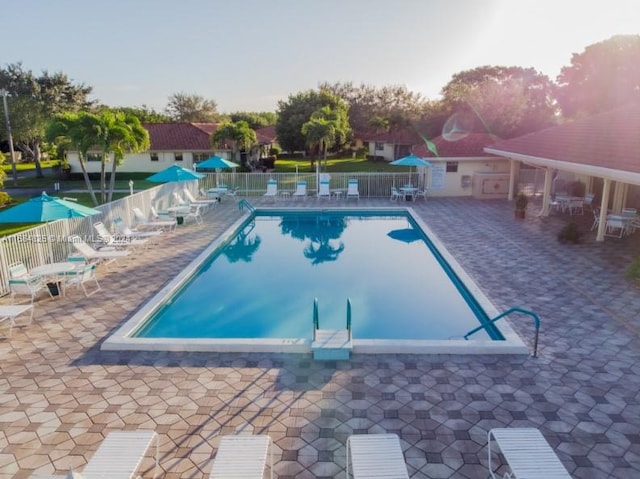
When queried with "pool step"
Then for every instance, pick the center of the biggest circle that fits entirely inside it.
(331, 344)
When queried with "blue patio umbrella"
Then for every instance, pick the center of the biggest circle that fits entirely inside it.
(174, 173)
(216, 162)
(410, 161)
(407, 235)
(45, 208)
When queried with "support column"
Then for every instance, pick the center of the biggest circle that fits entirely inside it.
(514, 168)
(604, 206)
(546, 193)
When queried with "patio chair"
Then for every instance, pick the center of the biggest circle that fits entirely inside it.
(129, 233)
(395, 194)
(301, 190)
(527, 454)
(576, 206)
(272, 189)
(92, 255)
(232, 192)
(616, 226)
(9, 313)
(195, 214)
(323, 190)
(166, 224)
(242, 457)
(109, 240)
(352, 189)
(596, 218)
(375, 455)
(420, 194)
(80, 277)
(21, 283)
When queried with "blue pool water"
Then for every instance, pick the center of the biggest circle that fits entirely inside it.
(263, 282)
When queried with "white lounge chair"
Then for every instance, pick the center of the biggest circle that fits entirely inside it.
(119, 456)
(323, 190)
(527, 453)
(352, 189)
(208, 202)
(194, 213)
(301, 190)
(396, 194)
(272, 189)
(90, 254)
(166, 224)
(242, 457)
(109, 240)
(129, 233)
(375, 455)
(9, 313)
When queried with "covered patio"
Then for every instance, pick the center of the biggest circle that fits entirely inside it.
(602, 151)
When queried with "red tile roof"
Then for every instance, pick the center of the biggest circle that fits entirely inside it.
(180, 136)
(470, 146)
(609, 140)
(266, 135)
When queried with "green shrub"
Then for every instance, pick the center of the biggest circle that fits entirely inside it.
(4, 198)
(633, 271)
(570, 233)
(522, 201)
(275, 151)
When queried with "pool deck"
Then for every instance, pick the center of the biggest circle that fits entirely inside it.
(60, 394)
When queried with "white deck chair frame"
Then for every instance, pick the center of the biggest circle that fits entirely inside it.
(272, 189)
(91, 254)
(242, 457)
(352, 189)
(375, 455)
(301, 190)
(10, 313)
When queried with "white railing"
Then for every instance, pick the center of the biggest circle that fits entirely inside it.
(48, 242)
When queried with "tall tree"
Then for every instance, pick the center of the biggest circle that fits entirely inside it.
(120, 134)
(77, 131)
(327, 128)
(240, 133)
(192, 108)
(34, 100)
(144, 113)
(604, 76)
(255, 119)
(296, 111)
(504, 101)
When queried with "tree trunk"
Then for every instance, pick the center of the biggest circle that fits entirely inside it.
(86, 179)
(103, 177)
(112, 179)
(36, 159)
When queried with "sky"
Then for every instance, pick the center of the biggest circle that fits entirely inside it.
(246, 55)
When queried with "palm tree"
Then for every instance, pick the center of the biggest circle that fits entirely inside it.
(79, 131)
(122, 133)
(326, 128)
(240, 133)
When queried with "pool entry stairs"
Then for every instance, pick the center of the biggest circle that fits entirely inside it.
(331, 344)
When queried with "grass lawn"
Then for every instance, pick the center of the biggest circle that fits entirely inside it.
(6, 166)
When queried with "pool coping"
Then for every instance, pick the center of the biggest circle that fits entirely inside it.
(121, 340)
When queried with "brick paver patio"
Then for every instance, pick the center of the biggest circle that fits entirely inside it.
(60, 395)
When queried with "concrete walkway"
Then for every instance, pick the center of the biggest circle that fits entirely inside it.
(60, 395)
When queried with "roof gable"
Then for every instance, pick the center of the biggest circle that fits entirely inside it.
(608, 140)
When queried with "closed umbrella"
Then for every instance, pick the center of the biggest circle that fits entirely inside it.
(174, 173)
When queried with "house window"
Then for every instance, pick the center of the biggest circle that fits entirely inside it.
(154, 157)
(177, 156)
(452, 166)
(94, 156)
(379, 146)
(198, 157)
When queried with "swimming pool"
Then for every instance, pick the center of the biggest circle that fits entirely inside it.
(253, 289)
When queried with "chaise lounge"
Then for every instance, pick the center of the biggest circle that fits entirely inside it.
(375, 455)
(242, 457)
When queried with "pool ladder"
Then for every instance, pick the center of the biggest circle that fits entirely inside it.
(331, 344)
(242, 204)
(536, 320)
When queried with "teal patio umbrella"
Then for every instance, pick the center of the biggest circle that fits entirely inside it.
(45, 208)
(174, 173)
(410, 161)
(216, 162)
